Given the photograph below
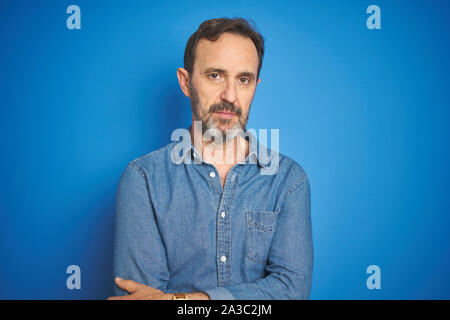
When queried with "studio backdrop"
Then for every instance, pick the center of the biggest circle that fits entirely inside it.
(359, 91)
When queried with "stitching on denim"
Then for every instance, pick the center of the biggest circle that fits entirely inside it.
(263, 227)
(136, 166)
(294, 187)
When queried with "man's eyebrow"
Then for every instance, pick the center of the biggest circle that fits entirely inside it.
(247, 74)
(241, 74)
(218, 70)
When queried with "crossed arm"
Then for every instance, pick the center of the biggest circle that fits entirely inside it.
(138, 291)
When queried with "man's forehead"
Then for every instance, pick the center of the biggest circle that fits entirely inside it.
(227, 51)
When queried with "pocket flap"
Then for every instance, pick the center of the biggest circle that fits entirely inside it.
(263, 220)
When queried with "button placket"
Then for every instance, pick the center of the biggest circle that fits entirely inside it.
(224, 241)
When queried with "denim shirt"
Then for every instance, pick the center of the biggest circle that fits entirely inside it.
(179, 230)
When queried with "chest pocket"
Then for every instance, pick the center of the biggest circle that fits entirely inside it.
(260, 228)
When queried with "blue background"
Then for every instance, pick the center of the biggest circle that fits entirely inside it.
(365, 112)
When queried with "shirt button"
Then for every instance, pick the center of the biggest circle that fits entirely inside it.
(223, 258)
(223, 214)
(212, 174)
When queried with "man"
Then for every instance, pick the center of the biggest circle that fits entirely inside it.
(208, 222)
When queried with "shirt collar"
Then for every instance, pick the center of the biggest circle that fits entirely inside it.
(262, 158)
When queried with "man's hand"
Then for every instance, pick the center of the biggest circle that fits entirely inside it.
(139, 291)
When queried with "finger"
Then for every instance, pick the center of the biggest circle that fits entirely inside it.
(128, 285)
(161, 296)
(127, 297)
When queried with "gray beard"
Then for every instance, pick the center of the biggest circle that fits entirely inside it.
(228, 135)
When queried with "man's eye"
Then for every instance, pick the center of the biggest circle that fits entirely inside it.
(245, 80)
(214, 75)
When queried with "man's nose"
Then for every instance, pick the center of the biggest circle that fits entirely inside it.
(229, 93)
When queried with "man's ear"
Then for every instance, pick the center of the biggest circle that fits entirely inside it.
(259, 80)
(183, 80)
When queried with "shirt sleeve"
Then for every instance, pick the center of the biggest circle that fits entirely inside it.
(290, 260)
(139, 252)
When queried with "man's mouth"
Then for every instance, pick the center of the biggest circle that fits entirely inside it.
(225, 114)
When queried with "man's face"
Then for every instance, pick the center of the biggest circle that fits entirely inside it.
(223, 83)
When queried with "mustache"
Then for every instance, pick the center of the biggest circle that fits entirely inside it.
(225, 106)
